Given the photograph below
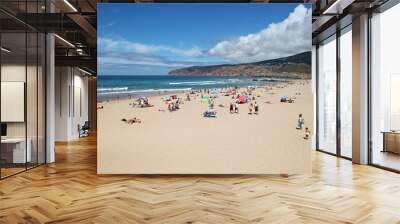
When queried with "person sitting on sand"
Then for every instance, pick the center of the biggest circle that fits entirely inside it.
(171, 107)
(307, 133)
(255, 107)
(300, 122)
(131, 121)
(176, 105)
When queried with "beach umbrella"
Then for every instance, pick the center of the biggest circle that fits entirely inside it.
(242, 99)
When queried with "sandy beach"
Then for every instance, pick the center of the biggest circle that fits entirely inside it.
(184, 142)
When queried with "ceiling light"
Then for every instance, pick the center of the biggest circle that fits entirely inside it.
(70, 5)
(5, 50)
(65, 41)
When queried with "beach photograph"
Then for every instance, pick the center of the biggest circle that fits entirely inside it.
(213, 89)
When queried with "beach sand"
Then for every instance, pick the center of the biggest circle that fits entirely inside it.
(184, 142)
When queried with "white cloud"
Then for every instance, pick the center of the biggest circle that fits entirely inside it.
(288, 37)
(112, 45)
(114, 59)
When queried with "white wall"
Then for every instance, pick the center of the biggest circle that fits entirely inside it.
(62, 82)
(79, 117)
(70, 83)
(12, 73)
(33, 127)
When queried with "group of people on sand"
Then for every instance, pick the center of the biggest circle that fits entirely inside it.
(174, 105)
(299, 126)
(141, 102)
(131, 121)
(234, 107)
(253, 106)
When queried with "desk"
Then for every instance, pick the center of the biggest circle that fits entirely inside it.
(391, 141)
(15, 148)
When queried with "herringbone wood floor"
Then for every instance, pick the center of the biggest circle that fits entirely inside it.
(69, 191)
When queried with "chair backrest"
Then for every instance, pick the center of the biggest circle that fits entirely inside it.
(86, 125)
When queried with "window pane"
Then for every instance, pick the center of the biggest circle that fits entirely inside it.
(386, 89)
(346, 92)
(327, 96)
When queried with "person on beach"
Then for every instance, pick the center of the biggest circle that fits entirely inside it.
(307, 133)
(176, 105)
(131, 121)
(236, 107)
(231, 108)
(169, 107)
(251, 108)
(300, 122)
(255, 107)
(211, 103)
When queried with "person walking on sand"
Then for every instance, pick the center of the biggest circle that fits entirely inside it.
(300, 122)
(231, 108)
(255, 107)
(236, 107)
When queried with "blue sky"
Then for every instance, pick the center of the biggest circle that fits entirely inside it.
(152, 39)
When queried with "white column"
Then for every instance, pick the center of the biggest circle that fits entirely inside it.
(360, 90)
(50, 99)
(62, 103)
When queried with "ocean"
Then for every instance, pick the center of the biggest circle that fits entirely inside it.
(109, 87)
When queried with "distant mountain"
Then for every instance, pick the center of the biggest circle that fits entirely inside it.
(295, 66)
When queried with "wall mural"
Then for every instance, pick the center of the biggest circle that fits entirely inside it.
(204, 89)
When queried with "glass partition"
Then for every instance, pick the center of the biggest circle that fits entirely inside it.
(22, 77)
(31, 97)
(14, 153)
(327, 95)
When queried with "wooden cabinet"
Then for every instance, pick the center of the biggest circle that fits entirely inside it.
(391, 142)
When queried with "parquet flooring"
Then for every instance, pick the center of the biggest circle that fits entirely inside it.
(70, 191)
